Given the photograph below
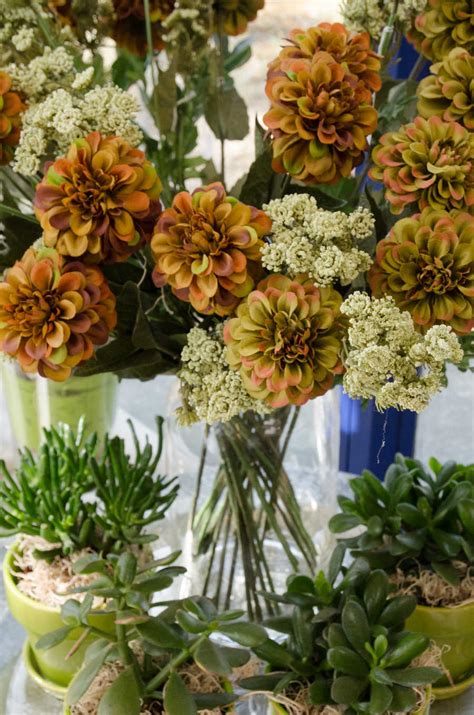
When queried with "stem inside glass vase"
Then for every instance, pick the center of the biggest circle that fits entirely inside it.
(250, 528)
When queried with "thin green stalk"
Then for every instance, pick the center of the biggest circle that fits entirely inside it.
(14, 212)
(220, 84)
(178, 660)
(417, 67)
(202, 462)
(151, 58)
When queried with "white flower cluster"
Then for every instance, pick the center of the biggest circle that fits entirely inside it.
(63, 117)
(387, 359)
(211, 391)
(21, 37)
(36, 79)
(307, 239)
(373, 15)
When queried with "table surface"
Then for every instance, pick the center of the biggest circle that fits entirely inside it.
(19, 695)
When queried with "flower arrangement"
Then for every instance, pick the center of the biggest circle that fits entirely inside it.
(263, 296)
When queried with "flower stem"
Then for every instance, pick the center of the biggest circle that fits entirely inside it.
(178, 660)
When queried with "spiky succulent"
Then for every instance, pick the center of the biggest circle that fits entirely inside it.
(233, 16)
(418, 518)
(99, 201)
(321, 104)
(443, 25)
(53, 313)
(345, 645)
(129, 28)
(427, 265)
(207, 248)
(428, 162)
(449, 91)
(11, 108)
(286, 340)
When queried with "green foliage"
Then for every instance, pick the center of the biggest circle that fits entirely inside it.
(182, 634)
(47, 495)
(19, 228)
(345, 643)
(418, 518)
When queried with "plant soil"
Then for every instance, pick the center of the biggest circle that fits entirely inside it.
(431, 589)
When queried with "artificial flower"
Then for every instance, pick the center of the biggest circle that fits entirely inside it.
(99, 201)
(233, 16)
(11, 108)
(129, 28)
(449, 91)
(427, 265)
(286, 340)
(207, 248)
(53, 313)
(443, 25)
(428, 162)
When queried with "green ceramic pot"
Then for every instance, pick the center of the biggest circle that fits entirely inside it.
(453, 627)
(34, 402)
(37, 619)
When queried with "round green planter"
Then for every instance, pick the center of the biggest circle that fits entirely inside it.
(453, 627)
(34, 402)
(53, 671)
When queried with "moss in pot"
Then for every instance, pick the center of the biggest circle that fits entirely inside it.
(345, 648)
(152, 664)
(78, 497)
(418, 525)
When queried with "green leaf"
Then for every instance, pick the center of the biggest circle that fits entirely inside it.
(274, 654)
(71, 612)
(466, 514)
(408, 648)
(82, 680)
(411, 515)
(209, 656)
(127, 69)
(165, 97)
(348, 662)
(397, 611)
(403, 699)
(214, 701)
(237, 657)
(380, 676)
(346, 690)
(122, 697)
(89, 564)
(190, 623)
(49, 640)
(356, 626)
(256, 187)
(246, 634)
(153, 584)
(177, 698)
(414, 677)
(239, 55)
(320, 692)
(447, 571)
(335, 563)
(343, 522)
(380, 699)
(226, 114)
(375, 594)
(300, 584)
(127, 568)
(161, 634)
(303, 633)
(336, 637)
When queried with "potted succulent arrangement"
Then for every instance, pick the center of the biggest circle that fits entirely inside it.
(419, 527)
(79, 497)
(170, 662)
(345, 649)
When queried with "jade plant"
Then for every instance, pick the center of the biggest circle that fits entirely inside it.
(82, 493)
(345, 645)
(152, 653)
(418, 518)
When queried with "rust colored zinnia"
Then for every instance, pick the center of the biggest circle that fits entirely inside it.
(129, 28)
(444, 24)
(207, 248)
(320, 118)
(427, 265)
(286, 340)
(100, 201)
(449, 91)
(233, 16)
(352, 50)
(428, 162)
(53, 313)
(11, 107)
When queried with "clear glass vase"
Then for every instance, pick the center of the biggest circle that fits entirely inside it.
(261, 490)
(33, 402)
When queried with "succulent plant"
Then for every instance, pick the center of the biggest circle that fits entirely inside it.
(233, 16)
(53, 313)
(207, 248)
(46, 495)
(163, 645)
(427, 265)
(418, 518)
(449, 92)
(321, 107)
(11, 108)
(426, 163)
(286, 340)
(345, 644)
(99, 201)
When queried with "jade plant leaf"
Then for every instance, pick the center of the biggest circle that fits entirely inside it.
(122, 697)
(177, 699)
